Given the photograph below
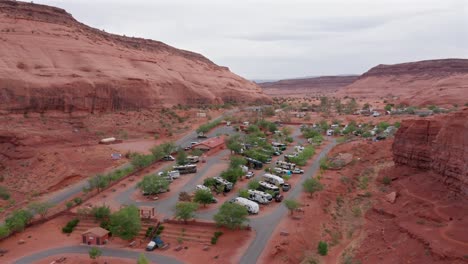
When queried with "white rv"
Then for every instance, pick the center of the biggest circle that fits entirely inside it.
(227, 185)
(265, 186)
(202, 187)
(259, 196)
(193, 159)
(273, 179)
(330, 132)
(252, 207)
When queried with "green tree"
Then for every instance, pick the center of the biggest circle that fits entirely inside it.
(291, 205)
(324, 125)
(231, 215)
(18, 220)
(253, 184)
(209, 182)
(101, 212)
(98, 182)
(243, 193)
(168, 148)
(152, 184)
(94, 253)
(4, 231)
(388, 107)
(351, 106)
(40, 208)
(322, 248)
(182, 157)
(126, 222)
(142, 259)
(232, 174)
(233, 143)
(236, 161)
(203, 197)
(286, 131)
(185, 210)
(139, 161)
(312, 186)
(4, 193)
(366, 106)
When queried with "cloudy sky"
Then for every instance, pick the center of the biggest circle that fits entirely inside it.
(269, 39)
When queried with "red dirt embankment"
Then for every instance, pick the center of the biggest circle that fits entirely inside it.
(440, 82)
(50, 61)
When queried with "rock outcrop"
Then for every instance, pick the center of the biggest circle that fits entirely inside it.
(416, 83)
(307, 86)
(439, 144)
(50, 61)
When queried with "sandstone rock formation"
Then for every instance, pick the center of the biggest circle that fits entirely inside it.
(439, 144)
(415, 83)
(307, 86)
(50, 61)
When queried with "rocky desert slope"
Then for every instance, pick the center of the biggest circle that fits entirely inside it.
(50, 61)
(316, 86)
(439, 82)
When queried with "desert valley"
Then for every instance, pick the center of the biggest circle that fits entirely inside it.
(117, 149)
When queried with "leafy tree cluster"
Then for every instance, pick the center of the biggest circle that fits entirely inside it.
(208, 126)
(312, 186)
(153, 184)
(126, 222)
(203, 197)
(305, 155)
(231, 215)
(185, 210)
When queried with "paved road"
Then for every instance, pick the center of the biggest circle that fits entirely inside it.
(109, 252)
(73, 190)
(265, 226)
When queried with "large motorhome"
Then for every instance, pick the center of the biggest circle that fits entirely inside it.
(265, 186)
(227, 185)
(285, 165)
(259, 196)
(282, 172)
(281, 146)
(253, 163)
(273, 179)
(252, 207)
(184, 169)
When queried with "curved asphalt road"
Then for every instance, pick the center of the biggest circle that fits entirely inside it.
(109, 252)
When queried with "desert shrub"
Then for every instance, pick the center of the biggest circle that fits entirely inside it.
(69, 204)
(184, 197)
(386, 180)
(215, 237)
(209, 182)
(4, 193)
(324, 165)
(70, 226)
(160, 229)
(101, 212)
(149, 231)
(77, 200)
(322, 248)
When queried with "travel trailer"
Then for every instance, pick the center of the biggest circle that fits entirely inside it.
(259, 196)
(252, 207)
(273, 179)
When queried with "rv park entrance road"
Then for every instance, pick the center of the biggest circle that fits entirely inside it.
(73, 190)
(109, 252)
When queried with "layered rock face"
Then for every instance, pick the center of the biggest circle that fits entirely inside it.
(415, 83)
(439, 144)
(50, 61)
(307, 86)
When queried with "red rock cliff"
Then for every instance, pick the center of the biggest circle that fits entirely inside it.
(439, 144)
(50, 61)
(442, 82)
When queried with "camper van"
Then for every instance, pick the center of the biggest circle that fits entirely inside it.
(184, 169)
(227, 185)
(273, 179)
(265, 186)
(330, 132)
(202, 187)
(298, 148)
(252, 207)
(253, 163)
(193, 159)
(259, 196)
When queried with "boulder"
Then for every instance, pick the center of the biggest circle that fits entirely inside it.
(391, 197)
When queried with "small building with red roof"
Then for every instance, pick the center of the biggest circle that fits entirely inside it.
(210, 145)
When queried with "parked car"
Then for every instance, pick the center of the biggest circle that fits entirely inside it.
(297, 171)
(279, 198)
(168, 158)
(286, 187)
(188, 148)
(276, 153)
(151, 246)
(249, 174)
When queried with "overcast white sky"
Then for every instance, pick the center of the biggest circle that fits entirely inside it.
(269, 39)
